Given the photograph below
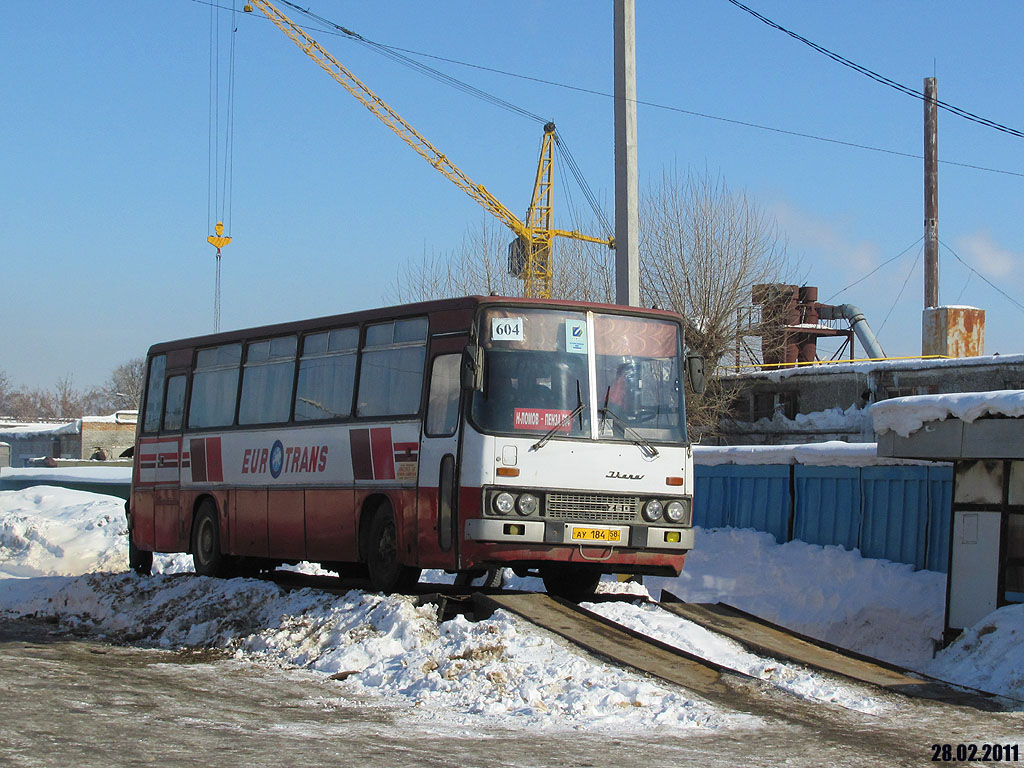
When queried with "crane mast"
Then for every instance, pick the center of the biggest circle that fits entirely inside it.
(530, 252)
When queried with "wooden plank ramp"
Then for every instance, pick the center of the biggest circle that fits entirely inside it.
(625, 647)
(766, 639)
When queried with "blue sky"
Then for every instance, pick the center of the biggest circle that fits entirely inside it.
(104, 154)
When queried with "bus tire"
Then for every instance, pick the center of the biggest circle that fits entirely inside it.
(573, 582)
(492, 578)
(387, 574)
(207, 558)
(139, 560)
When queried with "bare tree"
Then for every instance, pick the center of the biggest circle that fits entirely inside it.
(5, 393)
(581, 271)
(124, 390)
(703, 248)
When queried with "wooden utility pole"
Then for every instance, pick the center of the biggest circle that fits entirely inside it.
(627, 188)
(931, 195)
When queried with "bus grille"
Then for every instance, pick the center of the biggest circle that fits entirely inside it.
(592, 507)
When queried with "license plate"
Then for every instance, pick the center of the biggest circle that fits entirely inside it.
(599, 535)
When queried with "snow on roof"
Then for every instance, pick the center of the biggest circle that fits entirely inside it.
(21, 430)
(911, 364)
(118, 417)
(44, 475)
(904, 415)
(833, 453)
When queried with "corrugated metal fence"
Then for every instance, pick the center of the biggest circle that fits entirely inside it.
(899, 513)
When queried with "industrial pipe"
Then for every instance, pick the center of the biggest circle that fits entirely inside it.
(858, 323)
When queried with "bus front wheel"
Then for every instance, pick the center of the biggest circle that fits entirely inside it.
(206, 553)
(387, 574)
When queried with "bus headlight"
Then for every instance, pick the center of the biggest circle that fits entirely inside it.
(675, 511)
(504, 503)
(528, 505)
(652, 510)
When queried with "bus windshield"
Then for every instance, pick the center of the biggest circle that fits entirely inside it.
(542, 364)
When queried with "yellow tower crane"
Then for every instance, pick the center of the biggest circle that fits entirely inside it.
(530, 253)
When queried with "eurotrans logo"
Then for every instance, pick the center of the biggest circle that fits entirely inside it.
(281, 459)
(276, 459)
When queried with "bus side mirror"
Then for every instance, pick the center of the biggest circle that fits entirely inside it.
(472, 373)
(695, 373)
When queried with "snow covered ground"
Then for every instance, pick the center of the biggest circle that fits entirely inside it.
(62, 555)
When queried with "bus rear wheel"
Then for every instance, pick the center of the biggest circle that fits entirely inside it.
(207, 558)
(387, 574)
(573, 582)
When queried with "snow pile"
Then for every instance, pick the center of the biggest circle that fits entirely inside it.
(904, 415)
(386, 646)
(988, 655)
(851, 419)
(876, 607)
(48, 531)
(502, 667)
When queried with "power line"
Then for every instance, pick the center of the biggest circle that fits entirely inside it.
(902, 289)
(992, 285)
(869, 274)
(881, 78)
(471, 90)
(692, 113)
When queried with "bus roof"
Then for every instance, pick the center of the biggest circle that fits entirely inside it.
(448, 314)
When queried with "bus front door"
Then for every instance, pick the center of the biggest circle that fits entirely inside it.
(438, 465)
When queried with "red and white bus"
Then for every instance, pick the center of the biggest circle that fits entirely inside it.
(465, 435)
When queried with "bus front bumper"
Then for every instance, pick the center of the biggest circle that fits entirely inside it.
(508, 531)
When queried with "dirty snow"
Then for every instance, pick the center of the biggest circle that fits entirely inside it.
(54, 543)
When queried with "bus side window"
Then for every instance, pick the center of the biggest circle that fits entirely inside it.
(174, 409)
(391, 368)
(154, 393)
(443, 399)
(215, 386)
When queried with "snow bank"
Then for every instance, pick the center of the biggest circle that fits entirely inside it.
(988, 655)
(54, 541)
(904, 415)
(876, 607)
(48, 531)
(501, 670)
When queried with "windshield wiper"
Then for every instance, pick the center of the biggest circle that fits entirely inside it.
(635, 437)
(565, 420)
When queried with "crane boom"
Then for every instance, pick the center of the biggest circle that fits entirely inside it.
(533, 237)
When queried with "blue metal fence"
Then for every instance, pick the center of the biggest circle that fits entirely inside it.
(899, 513)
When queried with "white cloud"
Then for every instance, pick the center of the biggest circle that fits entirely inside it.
(814, 236)
(988, 256)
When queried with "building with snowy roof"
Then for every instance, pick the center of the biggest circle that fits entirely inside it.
(816, 403)
(91, 437)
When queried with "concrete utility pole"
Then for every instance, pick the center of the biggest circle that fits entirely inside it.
(931, 195)
(627, 188)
